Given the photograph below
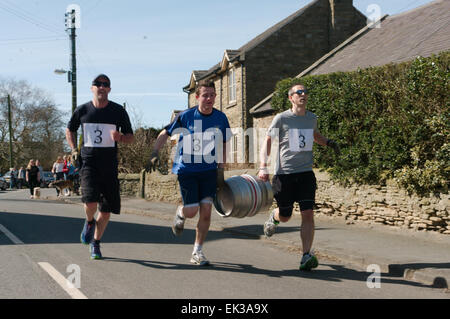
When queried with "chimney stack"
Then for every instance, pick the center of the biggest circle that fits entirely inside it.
(343, 21)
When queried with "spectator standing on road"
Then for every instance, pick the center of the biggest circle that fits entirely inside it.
(13, 178)
(100, 121)
(66, 160)
(57, 171)
(32, 176)
(294, 179)
(198, 163)
(20, 177)
(41, 170)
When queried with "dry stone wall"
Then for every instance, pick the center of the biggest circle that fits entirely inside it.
(129, 184)
(387, 205)
(162, 188)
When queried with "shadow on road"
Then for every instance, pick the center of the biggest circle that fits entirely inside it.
(45, 229)
(256, 231)
(28, 201)
(334, 273)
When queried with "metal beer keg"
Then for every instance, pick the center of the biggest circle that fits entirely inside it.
(243, 196)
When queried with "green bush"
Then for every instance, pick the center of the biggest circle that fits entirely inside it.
(392, 122)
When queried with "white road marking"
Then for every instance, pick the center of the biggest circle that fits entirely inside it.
(62, 281)
(10, 235)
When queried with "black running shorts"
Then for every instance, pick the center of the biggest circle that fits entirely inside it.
(101, 188)
(297, 187)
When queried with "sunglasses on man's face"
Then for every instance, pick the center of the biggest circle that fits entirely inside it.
(99, 84)
(300, 92)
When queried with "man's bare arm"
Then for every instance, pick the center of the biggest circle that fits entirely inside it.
(320, 139)
(225, 150)
(127, 138)
(263, 172)
(160, 140)
(71, 139)
(265, 152)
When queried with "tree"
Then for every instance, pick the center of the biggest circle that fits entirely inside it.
(133, 157)
(37, 128)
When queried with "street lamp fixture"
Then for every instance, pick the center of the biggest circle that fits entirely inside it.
(62, 71)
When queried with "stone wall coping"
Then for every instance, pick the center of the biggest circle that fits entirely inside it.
(129, 176)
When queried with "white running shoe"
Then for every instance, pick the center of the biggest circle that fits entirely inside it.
(178, 222)
(270, 225)
(199, 258)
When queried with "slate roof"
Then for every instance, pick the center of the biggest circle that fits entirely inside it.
(240, 53)
(266, 34)
(199, 73)
(422, 31)
(402, 37)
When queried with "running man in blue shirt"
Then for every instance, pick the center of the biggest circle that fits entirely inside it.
(199, 162)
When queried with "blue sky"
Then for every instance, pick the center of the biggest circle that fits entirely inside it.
(147, 48)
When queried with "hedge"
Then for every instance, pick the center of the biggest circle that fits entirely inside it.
(392, 122)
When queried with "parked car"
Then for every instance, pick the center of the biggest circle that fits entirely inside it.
(7, 177)
(3, 183)
(47, 178)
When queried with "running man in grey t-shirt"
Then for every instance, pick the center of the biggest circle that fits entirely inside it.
(294, 179)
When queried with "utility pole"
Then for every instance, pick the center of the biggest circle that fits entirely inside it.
(10, 132)
(72, 75)
(74, 68)
(72, 15)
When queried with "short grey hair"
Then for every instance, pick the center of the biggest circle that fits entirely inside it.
(291, 90)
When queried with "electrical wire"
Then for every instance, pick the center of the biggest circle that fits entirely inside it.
(86, 59)
(89, 10)
(29, 38)
(22, 14)
(29, 15)
(30, 42)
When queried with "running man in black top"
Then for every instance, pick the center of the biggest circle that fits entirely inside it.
(104, 124)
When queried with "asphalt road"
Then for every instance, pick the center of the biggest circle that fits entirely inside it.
(39, 245)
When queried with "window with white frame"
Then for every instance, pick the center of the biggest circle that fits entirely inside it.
(231, 86)
(234, 151)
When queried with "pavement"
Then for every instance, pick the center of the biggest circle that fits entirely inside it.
(418, 256)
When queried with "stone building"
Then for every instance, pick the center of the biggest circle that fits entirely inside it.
(245, 76)
(418, 32)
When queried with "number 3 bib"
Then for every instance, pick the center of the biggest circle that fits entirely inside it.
(98, 135)
(301, 140)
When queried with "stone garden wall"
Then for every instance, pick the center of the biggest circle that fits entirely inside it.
(385, 205)
(130, 184)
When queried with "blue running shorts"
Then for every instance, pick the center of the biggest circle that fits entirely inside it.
(197, 187)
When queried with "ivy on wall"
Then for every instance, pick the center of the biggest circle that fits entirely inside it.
(392, 122)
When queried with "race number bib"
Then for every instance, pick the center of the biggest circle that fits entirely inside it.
(201, 143)
(301, 140)
(98, 135)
